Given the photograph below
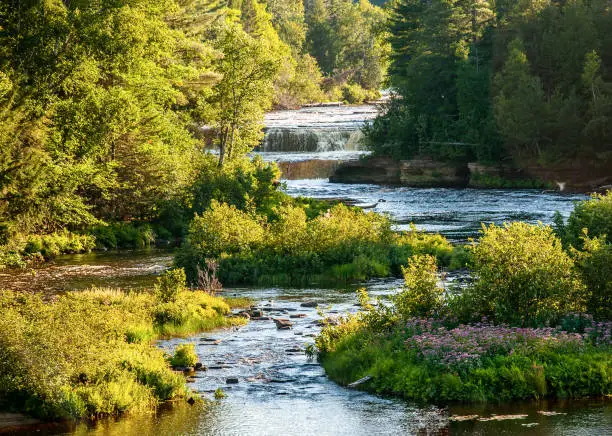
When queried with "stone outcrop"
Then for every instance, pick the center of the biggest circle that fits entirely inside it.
(308, 169)
(574, 176)
(427, 172)
(415, 172)
(383, 170)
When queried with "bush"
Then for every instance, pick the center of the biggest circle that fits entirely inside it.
(523, 276)
(594, 215)
(170, 284)
(595, 266)
(353, 94)
(340, 245)
(245, 184)
(224, 229)
(421, 295)
(184, 356)
(87, 354)
(123, 235)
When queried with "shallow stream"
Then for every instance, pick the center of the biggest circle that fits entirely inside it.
(279, 391)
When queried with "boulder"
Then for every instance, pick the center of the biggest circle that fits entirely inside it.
(283, 323)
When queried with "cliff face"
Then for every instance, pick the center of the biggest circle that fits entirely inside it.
(416, 172)
(577, 175)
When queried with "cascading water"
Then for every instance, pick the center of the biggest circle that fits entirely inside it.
(311, 142)
(303, 139)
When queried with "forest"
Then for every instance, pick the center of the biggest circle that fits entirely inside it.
(126, 124)
(110, 109)
(498, 81)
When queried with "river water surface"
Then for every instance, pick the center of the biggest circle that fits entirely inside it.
(279, 390)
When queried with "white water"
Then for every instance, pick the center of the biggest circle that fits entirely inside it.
(315, 130)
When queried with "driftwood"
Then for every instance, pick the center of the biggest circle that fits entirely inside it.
(361, 381)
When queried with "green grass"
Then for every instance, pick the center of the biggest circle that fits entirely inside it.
(90, 354)
(546, 372)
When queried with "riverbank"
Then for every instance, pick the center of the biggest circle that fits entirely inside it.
(425, 362)
(90, 354)
(533, 323)
(575, 176)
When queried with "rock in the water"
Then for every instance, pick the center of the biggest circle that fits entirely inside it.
(309, 304)
(199, 367)
(231, 380)
(207, 341)
(282, 323)
(294, 350)
(298, 315)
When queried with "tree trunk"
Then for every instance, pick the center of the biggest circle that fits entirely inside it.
(222, 144)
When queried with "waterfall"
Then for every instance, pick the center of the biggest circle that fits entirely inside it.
(292, 139)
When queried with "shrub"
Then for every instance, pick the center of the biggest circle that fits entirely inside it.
(87, 353)
(245, 184)
(595, 266)
(421, 295)
(224, 229)
(170, 284)
(123, 235)
(523, 276)
(184, 355)
(594, 215)
(353, 93)
(340, 245)
(289, 232)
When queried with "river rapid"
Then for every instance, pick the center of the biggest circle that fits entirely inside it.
(279, 391)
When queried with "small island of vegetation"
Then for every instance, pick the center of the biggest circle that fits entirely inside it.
(536, 321)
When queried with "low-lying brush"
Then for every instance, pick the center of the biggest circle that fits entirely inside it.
(21, 250)
(521, 337)
(89, 354)
(338, 246)
(423, 360)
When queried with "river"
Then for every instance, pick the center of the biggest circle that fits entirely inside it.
(279, 390)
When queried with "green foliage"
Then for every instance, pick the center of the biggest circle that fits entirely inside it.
(170, 284)
(21, 250)
(123, 235)
(531, 372)
(340, 245)
(184, 356)
(348, 41)
(95, 345)
(595, 266)
(594, 215)
(225, 229)
(103, 127)
(219, 394)
(529, 81)
(523, 275)
(245, 184)
(421, 296)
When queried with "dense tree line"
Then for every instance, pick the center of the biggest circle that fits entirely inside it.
(487, 80)
(108, 107)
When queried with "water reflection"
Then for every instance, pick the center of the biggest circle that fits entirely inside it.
(127, 269)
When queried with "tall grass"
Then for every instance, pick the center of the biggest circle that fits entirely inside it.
(90, 354)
